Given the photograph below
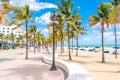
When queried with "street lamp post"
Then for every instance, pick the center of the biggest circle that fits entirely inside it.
(53, 67)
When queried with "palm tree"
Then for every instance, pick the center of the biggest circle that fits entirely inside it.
(65, 8)
(102, 18)
(72, 35)
(23, 14)
(81, 31)
(12, 38)
(20, 38)
(115, 2)
(114, 19)
(39, 39)
(33, 30)
(60, 28)
(5, 38)
(1, 36)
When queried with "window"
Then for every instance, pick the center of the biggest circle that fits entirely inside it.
(0, 30)
(7, 31)
(3, 28)
(19, 32)
(7, 28)
(3, 31)
(7, 34)
(15, 31)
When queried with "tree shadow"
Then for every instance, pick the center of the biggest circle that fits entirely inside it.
(20, 53)
(108, 63)
(85, 56)
(60, 55)
(5, 59)
(105, 71)
(36, 59)
(118, 71)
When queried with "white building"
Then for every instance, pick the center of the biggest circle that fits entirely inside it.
(7, 30)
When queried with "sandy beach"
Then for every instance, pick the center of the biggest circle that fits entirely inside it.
(91, 61)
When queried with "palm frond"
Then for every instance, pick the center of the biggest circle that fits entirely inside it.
(94, 20)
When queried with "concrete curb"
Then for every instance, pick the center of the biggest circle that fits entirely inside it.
(73, 71)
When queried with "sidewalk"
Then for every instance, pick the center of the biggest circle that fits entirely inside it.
(31, 69)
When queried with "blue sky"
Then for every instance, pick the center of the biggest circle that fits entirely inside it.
(44, 8)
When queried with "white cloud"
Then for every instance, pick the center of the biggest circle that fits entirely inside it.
(95, 38)
(44, 19)
(45, 31)
(98, 27)
(96, 32)
(34, 5)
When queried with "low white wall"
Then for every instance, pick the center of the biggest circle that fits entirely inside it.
(73, 71)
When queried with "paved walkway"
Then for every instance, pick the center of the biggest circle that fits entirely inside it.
(32, 69)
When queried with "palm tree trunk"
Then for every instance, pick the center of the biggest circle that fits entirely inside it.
(34, 43)
(26, 39)
(61, 41)
(40, 46)
(72, 43)
(103, 59)
(77, 46)
(13, 44)
(63, 47)
(115, 41)
(70, 58)
(21, 43)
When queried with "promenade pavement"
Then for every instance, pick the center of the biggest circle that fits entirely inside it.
(17, 68)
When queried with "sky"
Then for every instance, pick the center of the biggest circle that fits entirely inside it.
(43, 9)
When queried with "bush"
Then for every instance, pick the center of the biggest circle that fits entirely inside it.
(6, 48)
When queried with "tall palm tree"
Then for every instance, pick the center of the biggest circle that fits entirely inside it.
(23, 14)
(81, 31)
(114, 19)
(102, 18)
(39, 39)
(33, 30)
(60, 27)
(72, 35)
(65, 8)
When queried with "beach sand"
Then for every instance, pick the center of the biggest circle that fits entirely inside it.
(91, 61)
